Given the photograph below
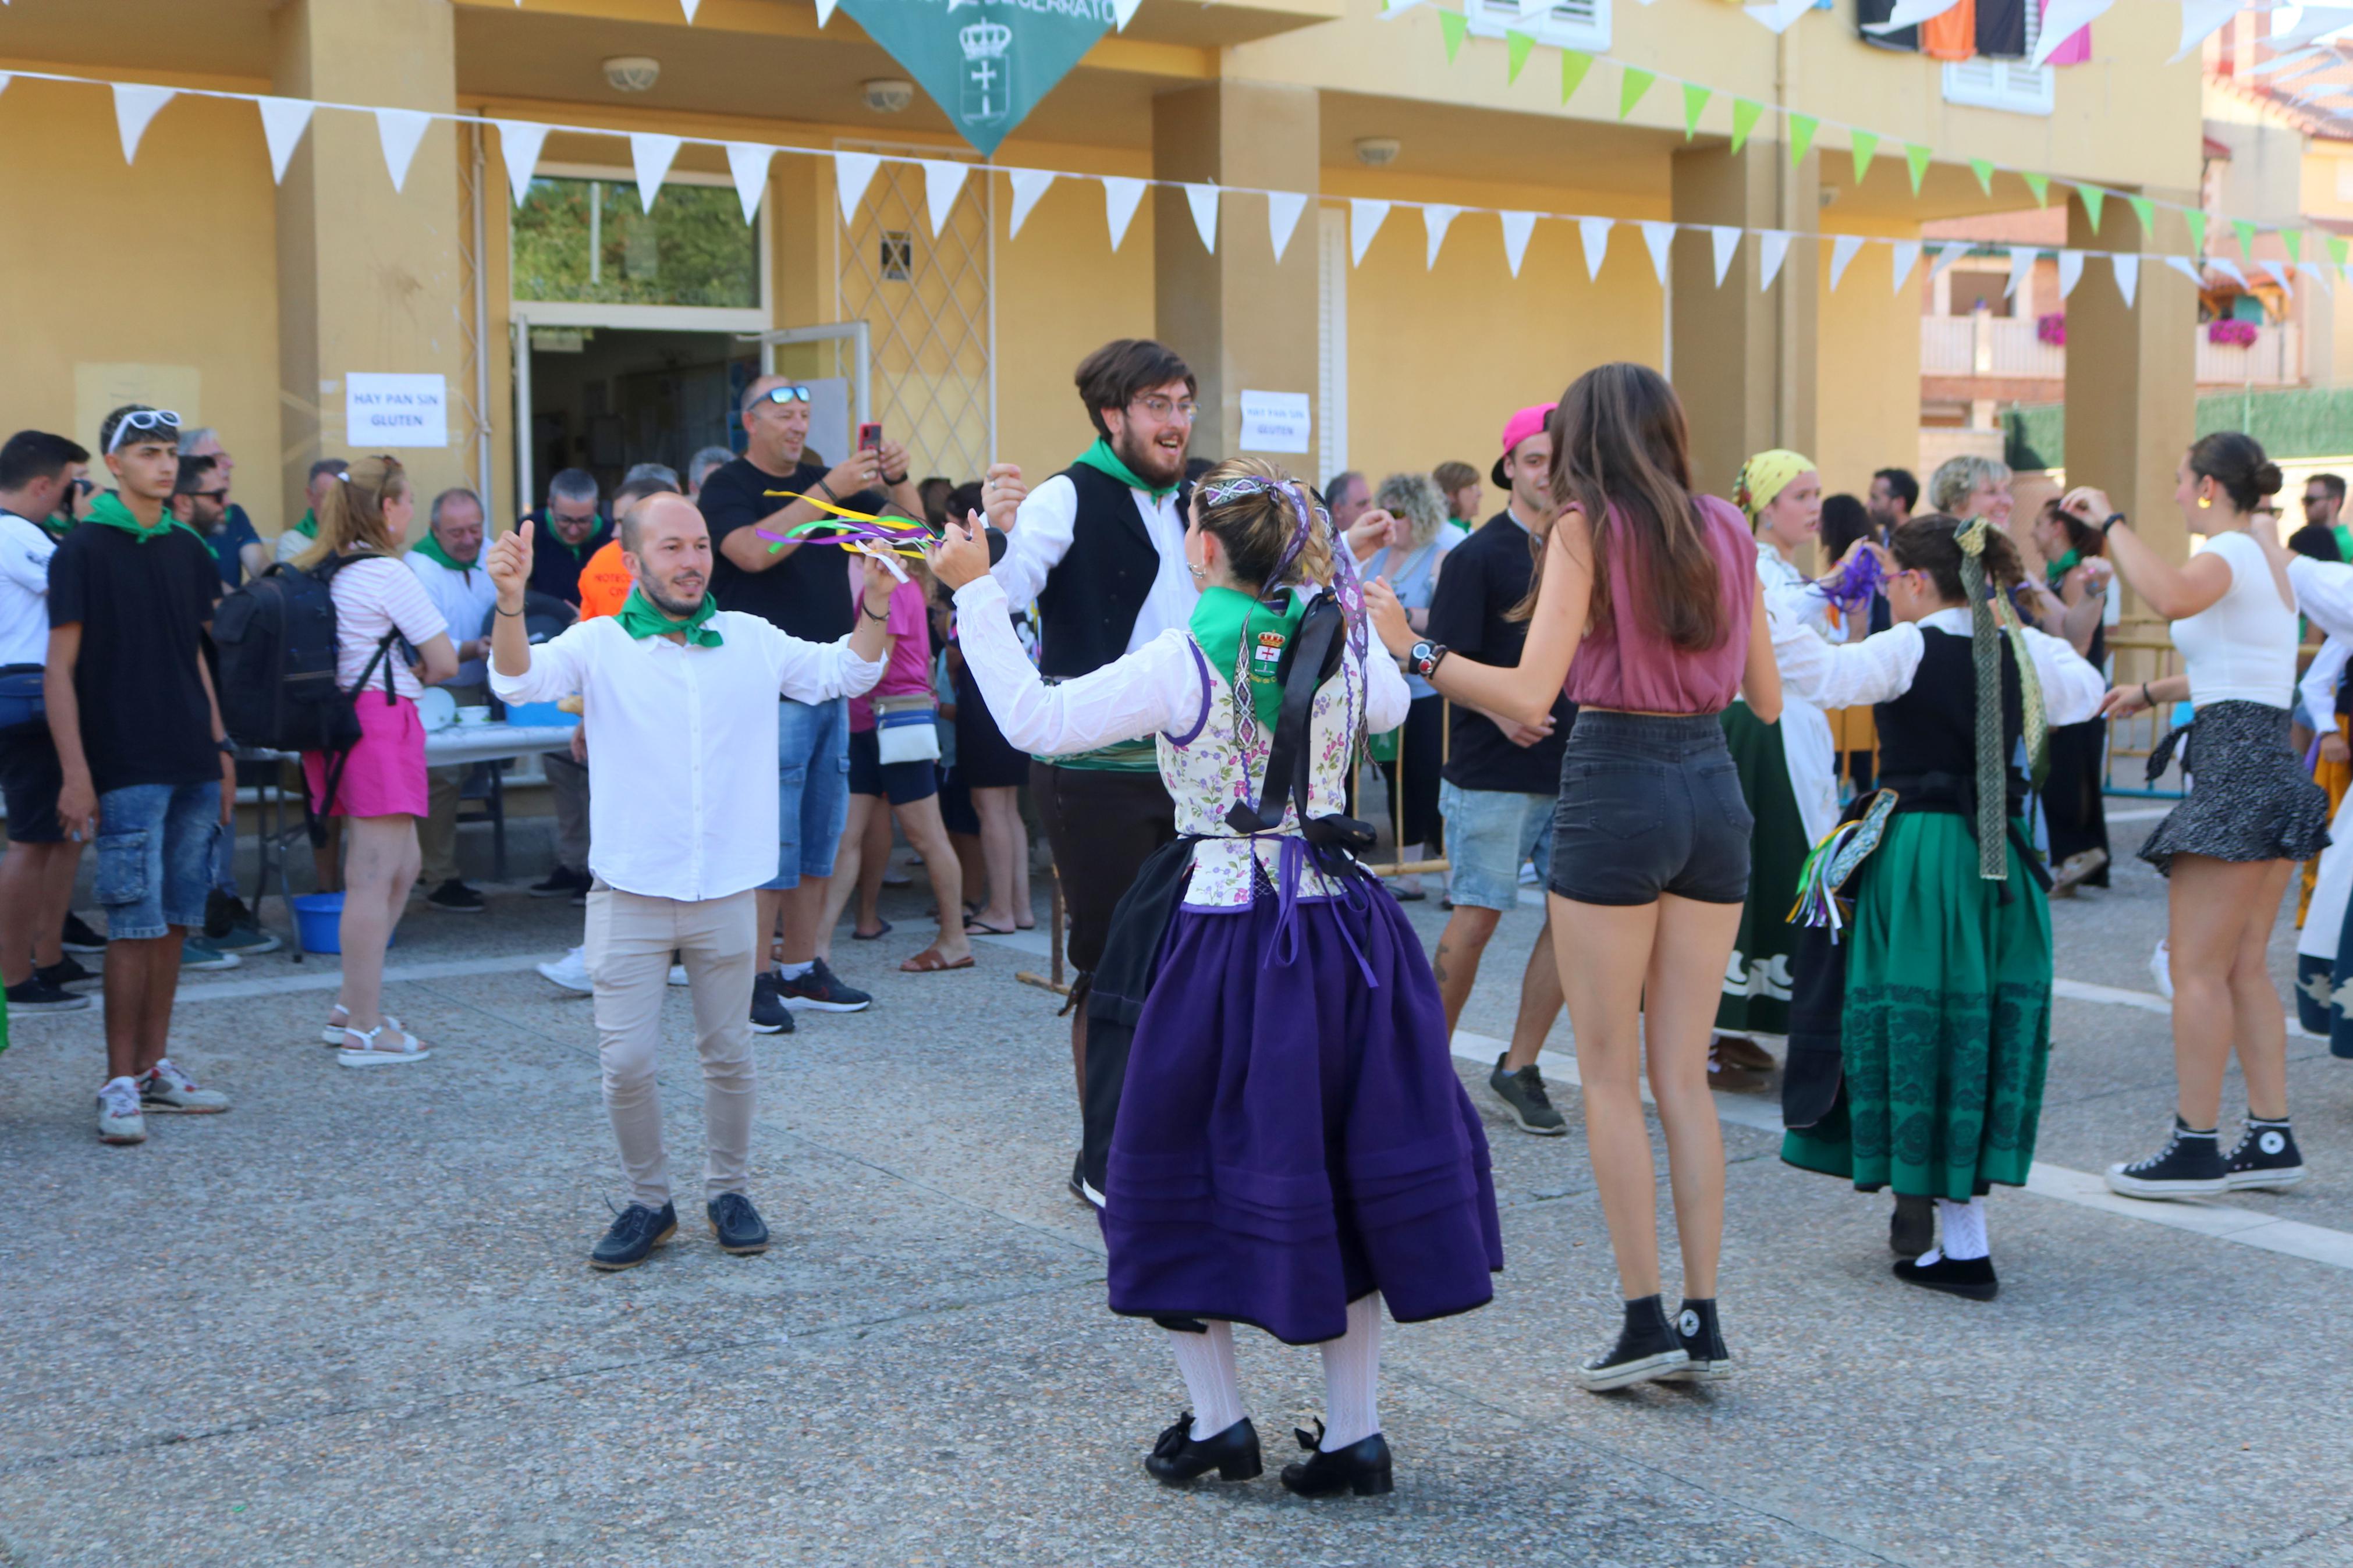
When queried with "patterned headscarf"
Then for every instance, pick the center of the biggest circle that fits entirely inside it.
(1765, 476)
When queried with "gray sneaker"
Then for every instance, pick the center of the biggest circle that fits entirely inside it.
(1524, 1093)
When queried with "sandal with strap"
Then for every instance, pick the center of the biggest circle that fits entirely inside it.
(334, 1032)
(369, 1054)
(931, 961)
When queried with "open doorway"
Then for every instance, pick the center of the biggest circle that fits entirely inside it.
(603, 398)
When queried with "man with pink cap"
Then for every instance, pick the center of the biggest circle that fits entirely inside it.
(1502, 778)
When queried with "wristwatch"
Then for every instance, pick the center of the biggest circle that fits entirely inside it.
(1425, 658)
(2113, 519)
(227, 747)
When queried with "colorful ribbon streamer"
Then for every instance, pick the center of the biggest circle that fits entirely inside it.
(898, 535)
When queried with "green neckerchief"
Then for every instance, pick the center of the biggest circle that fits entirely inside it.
(640, 618)
(1236, 630)
(2055, 571)
(430, 548)
(2344, 532)
(1102, 458)
(108, 510)
(309, 527)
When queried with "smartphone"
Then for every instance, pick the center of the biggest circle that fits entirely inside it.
(870, 437)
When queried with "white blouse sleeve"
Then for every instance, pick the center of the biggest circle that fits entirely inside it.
(1387, 696)
(2324, 591)
(1041, 536)
(1844, 675)
(1157, 689)
(2318, 687)
(2072, 685)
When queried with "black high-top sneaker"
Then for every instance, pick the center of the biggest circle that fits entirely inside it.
(1703, 1341)
(2189, 1166)
(1648, 1348)
(2266, 1157)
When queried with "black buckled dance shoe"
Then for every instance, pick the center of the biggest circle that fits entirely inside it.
(1969, 1277)
(1362, 1467)
(1177, 1458)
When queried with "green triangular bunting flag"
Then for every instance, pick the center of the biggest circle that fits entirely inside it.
(1746, 112)
(1516, 45)
(1917, 157)
(2092, 197)
(2246, 233)
(1983, 169)
(2294, 239)
(2195, 218)
(2041, 185)
(1631, 89)
(1865, 145)
(1573, 66)
(1695, 100)
(1451, 26)
(2144, 210)
(1801, 136)
(2339, 249)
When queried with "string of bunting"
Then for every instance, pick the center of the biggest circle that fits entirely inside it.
(401, 130)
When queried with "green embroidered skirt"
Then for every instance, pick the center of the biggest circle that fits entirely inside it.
(1756, 982)
(1947, 1029)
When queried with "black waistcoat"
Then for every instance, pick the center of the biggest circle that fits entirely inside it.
(1931, 727)
(1087, 610)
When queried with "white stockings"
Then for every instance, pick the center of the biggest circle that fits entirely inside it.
(1351, 1377)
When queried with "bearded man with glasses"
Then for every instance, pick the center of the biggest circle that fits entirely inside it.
(1101, 548)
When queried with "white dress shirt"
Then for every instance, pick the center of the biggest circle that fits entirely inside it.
(24, 551)
(1041, 534)
(1880, 668)
(465, 598)
(683, 744)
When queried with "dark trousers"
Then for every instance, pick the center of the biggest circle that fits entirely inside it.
(1102, 825)
(2072, 804)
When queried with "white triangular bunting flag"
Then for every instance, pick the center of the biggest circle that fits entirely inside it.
(1435, 219)
(1593, 234)
(943, 178)
(1910, 13)
(1904, 256)
(1842, 251)
(519, 144)
(2061, 20)
(2278, 272)
(283, 120)
(1029, 184)
(2127, 272)
(1121, 195)
(651, 153)
(2311, 22)
(1949, 253)
(135, 105)
(2181, 264)
(1779, 16)
(1517, 226)
(2071, 271)
(2307, 57)
(397, 132)
(1659, 234)
(1364, 222)
(825, 11)
(2022, 268)
(2200, 18)
(2317, 275)
(1203, 201)
(1772, 247)
(2228, 268)
(1725, 240)
(1123, 12)
(748, 162)
(1283, 210)
(852, 172)
(689, 6)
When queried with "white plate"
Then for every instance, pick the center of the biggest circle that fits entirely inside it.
(436, 707)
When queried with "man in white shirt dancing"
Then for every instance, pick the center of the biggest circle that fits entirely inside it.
(680, 720)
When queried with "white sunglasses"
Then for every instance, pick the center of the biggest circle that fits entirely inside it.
(143, 419)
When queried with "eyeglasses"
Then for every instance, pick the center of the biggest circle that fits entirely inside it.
(142, 420)
(786, 394)
(219, 498)
(1161, 408)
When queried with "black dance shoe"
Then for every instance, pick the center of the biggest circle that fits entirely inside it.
(1362, 1467)
(1647, 1349)
(1969, 1277)
(1177, 1458)
(1911, 1228)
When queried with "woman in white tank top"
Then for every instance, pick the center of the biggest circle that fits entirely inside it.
(2251, 815)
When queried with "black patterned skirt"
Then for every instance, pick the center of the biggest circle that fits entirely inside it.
(2250, 798)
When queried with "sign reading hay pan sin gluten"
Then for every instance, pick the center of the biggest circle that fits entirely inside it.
(385, 409)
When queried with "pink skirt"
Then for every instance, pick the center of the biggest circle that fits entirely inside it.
(385, 775)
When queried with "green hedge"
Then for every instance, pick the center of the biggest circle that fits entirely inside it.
(2300, 422)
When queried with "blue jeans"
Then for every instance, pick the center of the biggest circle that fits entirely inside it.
(1488, 832)
(812, 788)
(155, 856)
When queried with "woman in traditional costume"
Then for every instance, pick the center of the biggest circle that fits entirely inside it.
(1923, 1019)
(1290, 1147)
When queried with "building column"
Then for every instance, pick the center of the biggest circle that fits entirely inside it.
(2132, 376)
(1744, 356)
(1241, 318)
(369, 279)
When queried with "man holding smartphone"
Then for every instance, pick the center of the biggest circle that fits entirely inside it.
(805, 593)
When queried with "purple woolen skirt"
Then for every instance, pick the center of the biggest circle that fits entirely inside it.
(1292, 1134)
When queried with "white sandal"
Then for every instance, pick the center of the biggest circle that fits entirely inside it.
(334, 1032)
(368, 1053)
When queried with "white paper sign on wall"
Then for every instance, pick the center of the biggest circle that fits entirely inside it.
(1274, 422)
(389, 409)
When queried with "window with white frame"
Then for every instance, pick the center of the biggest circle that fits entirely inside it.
(2014, 85)
(1569, 23)
(585, 253)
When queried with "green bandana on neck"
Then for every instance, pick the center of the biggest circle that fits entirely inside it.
(1102, 460)
(1236, 630)
(640, 618)
(309, 527)
(2055, 571)
(108, 510)
(430, 548)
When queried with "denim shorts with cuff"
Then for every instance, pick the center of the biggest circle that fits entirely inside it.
(1490, 833)
(812, 788)
(1650, 804)
(155, 856)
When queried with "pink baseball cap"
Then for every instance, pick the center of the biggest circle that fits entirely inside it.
(1517, 429)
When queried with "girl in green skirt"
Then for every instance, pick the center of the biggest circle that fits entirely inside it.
(1921, 1023)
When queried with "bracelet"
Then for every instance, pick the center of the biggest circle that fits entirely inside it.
(505, 611)
(894, 483)
(2113, 518)
(2145, 700)
(883, 619)
(827, 489)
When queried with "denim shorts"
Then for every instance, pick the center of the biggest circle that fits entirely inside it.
(1649, 805)
(1489, 833)
(812, 787)
(155, 856)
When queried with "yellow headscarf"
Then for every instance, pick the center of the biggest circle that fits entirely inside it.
(1765, 476)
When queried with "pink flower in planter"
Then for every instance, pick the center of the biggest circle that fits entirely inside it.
(2228, 331)
(2052, 329)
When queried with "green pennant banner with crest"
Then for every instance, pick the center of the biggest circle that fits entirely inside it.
(985, 62)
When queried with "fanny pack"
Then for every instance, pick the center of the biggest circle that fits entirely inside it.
(21, 704)
(907, 729)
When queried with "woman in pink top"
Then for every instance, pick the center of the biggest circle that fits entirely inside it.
(1648, 610)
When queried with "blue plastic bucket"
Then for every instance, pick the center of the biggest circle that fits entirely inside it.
(318, 920)
(534, 714)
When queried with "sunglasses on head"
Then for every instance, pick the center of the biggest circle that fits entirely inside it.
(144, 421)
(786, 394)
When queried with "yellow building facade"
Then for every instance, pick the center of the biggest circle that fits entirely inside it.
(575, 328)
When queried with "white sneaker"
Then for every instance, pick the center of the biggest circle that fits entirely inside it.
(387, 1045)
(2160, 969)
(571, 972)
(119, 1117)
(678, 975)
(166, 1087)
(337, 1017)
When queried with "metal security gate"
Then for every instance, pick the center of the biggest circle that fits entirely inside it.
(925, 300)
